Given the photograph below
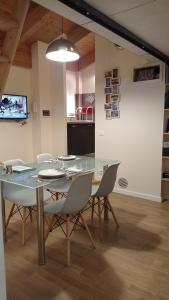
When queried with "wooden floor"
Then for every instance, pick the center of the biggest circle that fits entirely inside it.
(130, 264)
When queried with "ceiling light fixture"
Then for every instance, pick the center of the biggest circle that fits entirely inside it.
(62, 50)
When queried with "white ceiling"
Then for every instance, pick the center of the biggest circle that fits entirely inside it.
(148, 19)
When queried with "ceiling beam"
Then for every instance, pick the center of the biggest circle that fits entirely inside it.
(100, 18)
(7, 22)
(11, 41)
(34, 22)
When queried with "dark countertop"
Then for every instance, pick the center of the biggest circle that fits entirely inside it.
(81, 122)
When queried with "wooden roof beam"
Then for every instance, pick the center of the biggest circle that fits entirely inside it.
(11, 41)
(7, 21)
(4, 59)
(33, 26)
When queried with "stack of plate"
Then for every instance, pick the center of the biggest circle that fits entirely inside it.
(67, 157)
(50, 174)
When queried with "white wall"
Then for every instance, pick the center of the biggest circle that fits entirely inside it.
(71, 90)
(136, 137)
(41, 96)
(16, 140)
(87, 78)
(48, 92)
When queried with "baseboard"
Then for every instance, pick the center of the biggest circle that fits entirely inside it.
(139, 195)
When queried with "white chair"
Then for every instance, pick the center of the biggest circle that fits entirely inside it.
(23, 199)
(100, 195)
(70, 208)
(59, 189)
(43, 156)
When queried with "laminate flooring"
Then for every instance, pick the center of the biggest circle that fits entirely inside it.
(131, 263)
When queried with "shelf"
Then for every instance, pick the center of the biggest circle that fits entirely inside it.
(166, 133)
(166, 109)
(165, 157)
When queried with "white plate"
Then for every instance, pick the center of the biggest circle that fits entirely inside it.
(74, 170)
(67, 157)
(50, 173)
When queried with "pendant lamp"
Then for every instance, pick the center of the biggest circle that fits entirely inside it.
(62, 50)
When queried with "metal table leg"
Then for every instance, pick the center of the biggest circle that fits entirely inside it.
(2, 235)
(106, 210)
(3, 211)
(40, 225)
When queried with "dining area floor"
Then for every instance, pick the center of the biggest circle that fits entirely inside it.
(130, 263)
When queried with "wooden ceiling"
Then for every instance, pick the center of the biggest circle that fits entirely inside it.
(41, 25)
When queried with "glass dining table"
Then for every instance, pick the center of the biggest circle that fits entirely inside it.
(31, 180)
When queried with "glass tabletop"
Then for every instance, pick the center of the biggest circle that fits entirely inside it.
(80, 163)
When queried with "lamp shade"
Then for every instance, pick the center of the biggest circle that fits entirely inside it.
(62, 50)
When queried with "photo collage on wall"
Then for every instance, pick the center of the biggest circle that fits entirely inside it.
(112, 94)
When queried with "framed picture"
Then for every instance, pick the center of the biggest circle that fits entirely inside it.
(115, 97)
(115, 90)
(146, 73)
(115, 114)
(108, 81)
(107, 90)
(108, 106)
(108, 74)
(108, 114)
(115, 105)
(108, 98)
(115, 72)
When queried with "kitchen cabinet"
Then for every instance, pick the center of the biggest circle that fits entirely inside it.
(80, 138)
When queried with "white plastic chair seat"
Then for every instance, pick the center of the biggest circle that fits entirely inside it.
(56, 207)
(22, 196)
(60, 186)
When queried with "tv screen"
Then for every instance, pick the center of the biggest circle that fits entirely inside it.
(13, 107)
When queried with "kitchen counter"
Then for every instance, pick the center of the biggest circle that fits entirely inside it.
(81, 122)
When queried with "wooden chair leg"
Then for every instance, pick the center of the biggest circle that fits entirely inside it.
(88, 231)
(100, 219)
(75, 224)
(30, 213)
(68, 240)
(112, 211)
(23, 225)
(49, 227)
(93, 203)
(10, 215)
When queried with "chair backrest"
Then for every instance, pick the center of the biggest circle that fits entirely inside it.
(79, 194)
(108, 181)
(43, 156)
(13, 162)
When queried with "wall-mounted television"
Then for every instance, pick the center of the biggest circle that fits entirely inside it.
(13, 107)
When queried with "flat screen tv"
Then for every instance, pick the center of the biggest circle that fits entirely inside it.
(13, 107)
